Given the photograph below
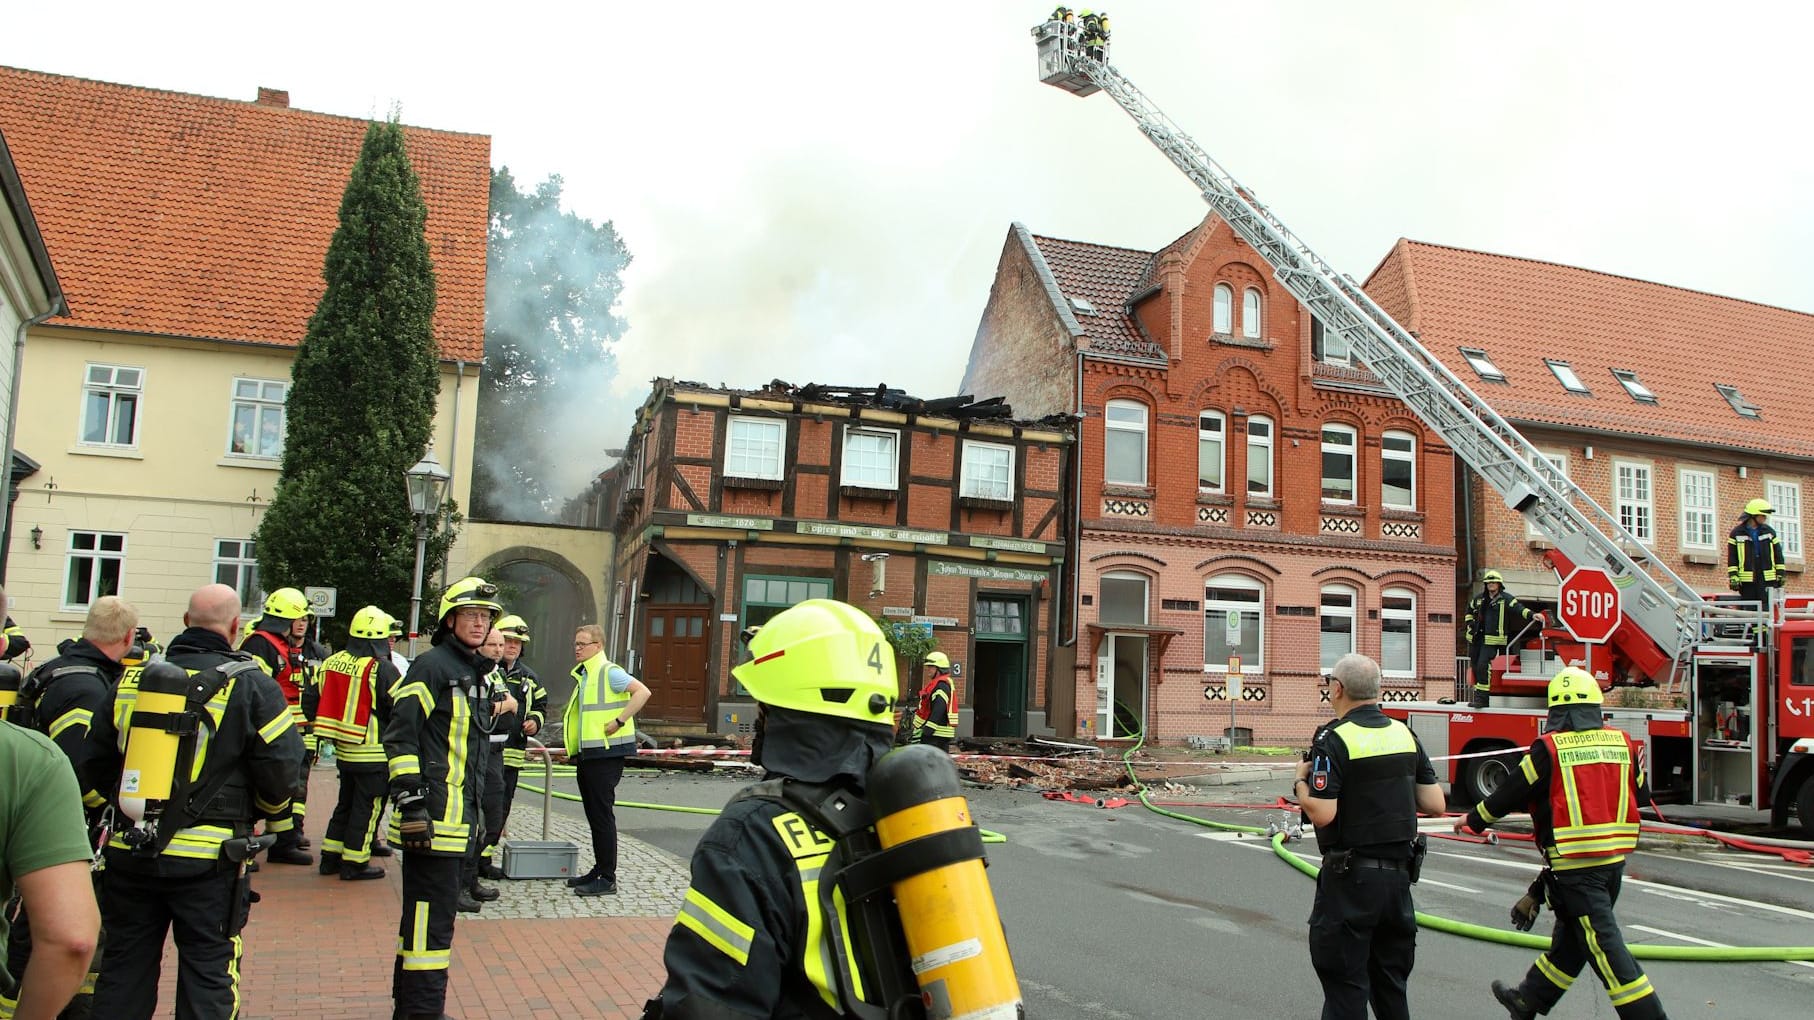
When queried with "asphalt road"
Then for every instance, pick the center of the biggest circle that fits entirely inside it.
(1127, 914)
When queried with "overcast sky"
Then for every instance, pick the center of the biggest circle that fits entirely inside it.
(819, 191)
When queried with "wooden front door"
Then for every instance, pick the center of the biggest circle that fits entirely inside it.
(674, 664)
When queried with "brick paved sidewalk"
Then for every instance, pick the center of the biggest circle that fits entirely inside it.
(322, 949)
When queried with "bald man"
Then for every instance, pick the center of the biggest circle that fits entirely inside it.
(191, 877)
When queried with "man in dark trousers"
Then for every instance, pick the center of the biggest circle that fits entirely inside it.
(72, 703)
(1754, 555)
(1363, 787)
(932, 721)
(276, 642)
(435, 752)
(1582, 783)
(355, 701)
(1494, 617)
(599, 733)
(181, 878)
(525, 688)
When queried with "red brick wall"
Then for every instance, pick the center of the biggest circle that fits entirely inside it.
(1022, 350)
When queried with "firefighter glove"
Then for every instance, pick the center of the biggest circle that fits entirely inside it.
(1525, 911)
(413, 823)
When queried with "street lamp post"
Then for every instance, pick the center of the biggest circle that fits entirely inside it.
(427, 482)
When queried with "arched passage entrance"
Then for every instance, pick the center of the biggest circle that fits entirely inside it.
(550, 593)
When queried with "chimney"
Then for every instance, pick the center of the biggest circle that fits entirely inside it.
(279, 98)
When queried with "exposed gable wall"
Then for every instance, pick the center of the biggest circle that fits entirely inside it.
(1022, 351)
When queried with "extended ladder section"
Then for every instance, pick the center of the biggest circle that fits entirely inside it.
(1669, 612)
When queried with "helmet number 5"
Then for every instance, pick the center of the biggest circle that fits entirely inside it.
(875, 657)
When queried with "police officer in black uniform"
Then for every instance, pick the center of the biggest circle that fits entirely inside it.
(1365, 784)
(185, 881)
(437, 756)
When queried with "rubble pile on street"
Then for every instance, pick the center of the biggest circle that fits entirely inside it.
(1040, 766)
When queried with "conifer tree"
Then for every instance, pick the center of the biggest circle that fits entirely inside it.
(362, 403)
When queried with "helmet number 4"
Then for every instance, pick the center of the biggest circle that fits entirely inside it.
(875, 657)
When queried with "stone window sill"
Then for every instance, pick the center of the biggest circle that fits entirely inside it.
(740, 482)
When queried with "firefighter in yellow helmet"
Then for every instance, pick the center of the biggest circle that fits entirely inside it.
(1582, 782)
(1495, 617)
(532, 700)
(275, 640)
(760, 932)
(1754, 554)
(434, 749)
(355, 700)
(933, 722)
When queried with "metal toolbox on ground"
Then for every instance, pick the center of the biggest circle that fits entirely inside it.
(539, 858)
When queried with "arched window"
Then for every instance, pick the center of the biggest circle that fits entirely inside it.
(1209, 451)
(1225, 310)
(1234, 623)
(1336, 616)
(1124, 443)
(1398, 632)
(1338, 463)
(1123, 598)
(1250, 314)
(1398, 471)
(1259, 456)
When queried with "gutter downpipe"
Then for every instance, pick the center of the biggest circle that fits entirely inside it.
(453, 455)
(12, 424)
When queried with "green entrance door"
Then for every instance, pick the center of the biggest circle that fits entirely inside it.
(998, 675)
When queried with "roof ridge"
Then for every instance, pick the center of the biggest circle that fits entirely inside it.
(125, 86)
(1609, 275)
(1090, 244)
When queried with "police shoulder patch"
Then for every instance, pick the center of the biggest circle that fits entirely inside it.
(1319, 780)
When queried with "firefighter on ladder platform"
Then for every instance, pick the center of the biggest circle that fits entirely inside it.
(1494, 617)
(1754, 555)
(769, 927)
(1582, 783)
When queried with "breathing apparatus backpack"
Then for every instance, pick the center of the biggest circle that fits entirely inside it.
(908, 864)
(19, 695)
(157, 788)
(12, 709)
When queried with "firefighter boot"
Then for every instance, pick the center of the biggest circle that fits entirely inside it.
(359, 872)
(465, 904)
(1516, 1005)
(330, 863)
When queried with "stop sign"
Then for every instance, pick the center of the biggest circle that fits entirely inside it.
(1589, 604)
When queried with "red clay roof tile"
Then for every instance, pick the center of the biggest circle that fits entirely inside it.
(184, 215)
(1679, 342)
(1106, 277)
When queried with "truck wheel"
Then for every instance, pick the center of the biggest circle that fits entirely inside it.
(1481, 776)
(1804, 807)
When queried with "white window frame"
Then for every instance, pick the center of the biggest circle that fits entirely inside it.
(99, 555)
(1785, 500)
(1218, 436)
(1631, 506)
(865, 434)
(1560, 460)
(243, 564)
(115, 392)
(1325, 611)
(1261, 446)
(1004, 490)
(1110, 424)
(1339, 449)
(259, 404)
(1322, 337)
(1639, 392)
(1408, 457)
(771, 472)
(1409, 616)
(1699, 499)
(1222, 311)
(1251, 303)
(1258, 610)
(1482, 364)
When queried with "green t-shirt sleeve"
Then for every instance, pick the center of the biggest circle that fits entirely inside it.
(43, 813)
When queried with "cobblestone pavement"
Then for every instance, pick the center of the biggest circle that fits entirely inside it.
(318, 947)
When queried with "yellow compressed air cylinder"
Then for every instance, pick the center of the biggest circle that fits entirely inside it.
(151, 749)
(959, 953)
(10, 681)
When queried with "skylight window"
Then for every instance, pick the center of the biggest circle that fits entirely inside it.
(1745, 408)
(1083, 305)
(1567, 377)
(1482, 365)
(1629, 379)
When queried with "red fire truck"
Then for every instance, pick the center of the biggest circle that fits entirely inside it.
(1721, 695)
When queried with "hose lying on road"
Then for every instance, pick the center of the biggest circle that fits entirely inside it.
(1484, 933)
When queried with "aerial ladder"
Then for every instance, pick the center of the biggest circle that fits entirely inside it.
(1670, 617)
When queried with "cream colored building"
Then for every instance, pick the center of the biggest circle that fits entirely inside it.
(189, 234)
(29, 291)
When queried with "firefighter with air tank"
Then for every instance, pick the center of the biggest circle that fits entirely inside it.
(777, 922)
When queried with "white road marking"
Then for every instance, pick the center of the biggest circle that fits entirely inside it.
(1769, 869)
(1702, 942)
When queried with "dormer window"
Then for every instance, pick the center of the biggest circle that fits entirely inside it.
(1567, 377)
(1083, 305)
(1745, 408)
(1639, 392)
(1482, 365)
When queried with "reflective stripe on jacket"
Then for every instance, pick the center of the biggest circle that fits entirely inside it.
(586, 724)
(349, 708)
(1485, 622)
(933, 717)
(1742, 567)
(1592, 796)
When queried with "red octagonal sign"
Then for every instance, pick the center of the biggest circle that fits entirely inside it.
(1589, 604)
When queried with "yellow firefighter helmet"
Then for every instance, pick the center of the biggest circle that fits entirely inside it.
(824, 657)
